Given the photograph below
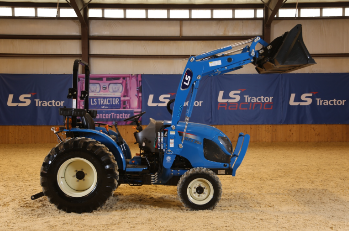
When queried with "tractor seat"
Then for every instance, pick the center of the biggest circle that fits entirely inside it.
(87, 121)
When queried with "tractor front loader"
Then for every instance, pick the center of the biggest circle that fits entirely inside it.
(82, 171)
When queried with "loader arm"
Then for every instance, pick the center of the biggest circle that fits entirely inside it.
(284, 54)
(208, 64)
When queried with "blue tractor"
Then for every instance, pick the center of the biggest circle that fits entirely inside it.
(82, 171)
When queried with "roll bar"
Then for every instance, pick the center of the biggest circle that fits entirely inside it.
(84, 95)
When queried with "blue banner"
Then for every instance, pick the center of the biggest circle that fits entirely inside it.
(157, 90)
(225, 99)
(315, 98)
(33, 99)
(246, 99)
(255, 99)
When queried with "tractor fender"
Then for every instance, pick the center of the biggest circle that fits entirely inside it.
(124, 146)
(100, 136)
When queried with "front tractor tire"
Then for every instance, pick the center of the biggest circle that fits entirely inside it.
(79, 175)
(199, 189)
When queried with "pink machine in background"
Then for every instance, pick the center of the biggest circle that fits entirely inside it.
(115, 97)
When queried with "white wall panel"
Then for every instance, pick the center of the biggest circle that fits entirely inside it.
(222, 28)
(39, 27)
(134, 28)
(155, 47)
(141, 66)
(147, 66)
(176, 66)
(320, 36)
(327, 65)
(136, 66)
(25, 46)
(36, 65)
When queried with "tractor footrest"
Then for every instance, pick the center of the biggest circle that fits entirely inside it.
(135, 168)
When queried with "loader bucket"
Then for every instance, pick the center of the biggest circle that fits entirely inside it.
(284, 54)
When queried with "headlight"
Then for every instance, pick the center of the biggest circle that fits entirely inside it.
(213, 152)
(95, 87)
(115, 88)
(226, 143)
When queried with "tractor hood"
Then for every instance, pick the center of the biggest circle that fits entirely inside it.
(198, 131)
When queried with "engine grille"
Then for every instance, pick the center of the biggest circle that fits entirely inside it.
(214, 153)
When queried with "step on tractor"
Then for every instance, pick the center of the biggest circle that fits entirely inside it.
(84, 169)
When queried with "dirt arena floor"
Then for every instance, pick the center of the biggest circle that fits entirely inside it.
(279, 186)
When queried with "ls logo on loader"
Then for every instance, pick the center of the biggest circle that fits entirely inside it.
(188, 76)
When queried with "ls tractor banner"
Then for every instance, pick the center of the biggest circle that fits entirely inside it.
(33, 99)
(36, 99)
(226, 99)
(247, 99)
(256, 99)
(316, 98)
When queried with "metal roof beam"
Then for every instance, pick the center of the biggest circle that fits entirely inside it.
(275, 5)
(178, 6)
(78, 6)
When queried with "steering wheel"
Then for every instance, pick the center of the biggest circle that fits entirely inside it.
(135, 118)
(169, 105)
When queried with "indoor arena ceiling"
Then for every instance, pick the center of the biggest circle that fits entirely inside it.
(175, 1)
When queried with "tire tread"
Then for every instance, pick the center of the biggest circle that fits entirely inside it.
(182, 181)
(101, 153)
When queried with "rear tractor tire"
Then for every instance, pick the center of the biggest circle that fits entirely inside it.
(79, 175)
(199, 189)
